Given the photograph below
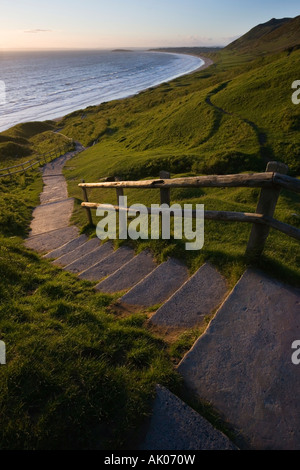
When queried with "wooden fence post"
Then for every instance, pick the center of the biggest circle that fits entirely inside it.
(122, 226)
(119, 191)
(266, 206)
(165, 196)
(88, 210)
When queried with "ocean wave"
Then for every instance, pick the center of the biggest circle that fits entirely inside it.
(75, 81)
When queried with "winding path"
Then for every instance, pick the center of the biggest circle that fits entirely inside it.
(242, 365)
(261, 136)
(50, 223)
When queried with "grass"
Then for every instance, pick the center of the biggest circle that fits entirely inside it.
(231, 118)
(77, 375)
(24, 141)
(80, 374)
(273, 36)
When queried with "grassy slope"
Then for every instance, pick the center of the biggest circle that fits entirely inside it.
(263, 96)
(23, 141)
(273, 36)
(77, 376)
(71, 358)
(231, 118)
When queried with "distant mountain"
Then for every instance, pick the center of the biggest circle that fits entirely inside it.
(121, 50)
(188, 50)
(273, 36)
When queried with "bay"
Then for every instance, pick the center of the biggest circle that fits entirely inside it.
(47, 85)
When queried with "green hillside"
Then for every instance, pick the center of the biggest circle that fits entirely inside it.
(273, 36)
(236, 113)
(27, 139)
(78, 368)
(233, 117)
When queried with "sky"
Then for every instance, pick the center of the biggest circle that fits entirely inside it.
(102, 24)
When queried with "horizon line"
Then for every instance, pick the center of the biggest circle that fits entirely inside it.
(146, 48)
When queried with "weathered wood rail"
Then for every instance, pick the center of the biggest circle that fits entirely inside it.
(36, 161)
(271, 182)
(256, 180)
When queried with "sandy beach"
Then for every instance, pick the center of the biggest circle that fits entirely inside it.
(207, 63)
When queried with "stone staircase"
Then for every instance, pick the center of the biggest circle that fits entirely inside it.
(186, 300)
(241, 364)
(147, 285)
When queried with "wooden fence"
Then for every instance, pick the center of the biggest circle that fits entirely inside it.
(36, 161)
(271, 182)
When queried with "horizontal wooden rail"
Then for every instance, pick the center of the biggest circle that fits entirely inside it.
(18, 166)
(224, 216)
(256, 180)
(36, 161)
(287, 182)
(270, 182)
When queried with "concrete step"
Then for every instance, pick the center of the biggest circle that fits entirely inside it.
(51, 240)
(158, 286)
(108, 265)
(55, 189)
(176, 426)
(199, 296)
(51, 216)
(243, 364)
(91, 258)
(129, 274)
(82, 250)
(55, 167)
(67, 247)
(50, 224)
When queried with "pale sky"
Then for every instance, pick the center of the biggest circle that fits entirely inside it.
(89, 24)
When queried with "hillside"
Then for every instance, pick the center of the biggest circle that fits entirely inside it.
(72, 355)
(198, 51)
(24, 140)
(273, 36)
(232, 117)
(221, 120)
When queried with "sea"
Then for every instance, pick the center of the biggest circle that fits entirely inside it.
(36, 86)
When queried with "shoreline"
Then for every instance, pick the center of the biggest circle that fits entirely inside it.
(207, 63)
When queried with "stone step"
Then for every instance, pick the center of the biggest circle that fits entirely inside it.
(129, 274)
(243, 364)
(108, 265)
(55, 189)
(199, 296)
(55, 167)
(67, 247)
(82, 250)
(91, 258)
(51, 216)
(176, 426)
(158, 286)
(51, 240)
